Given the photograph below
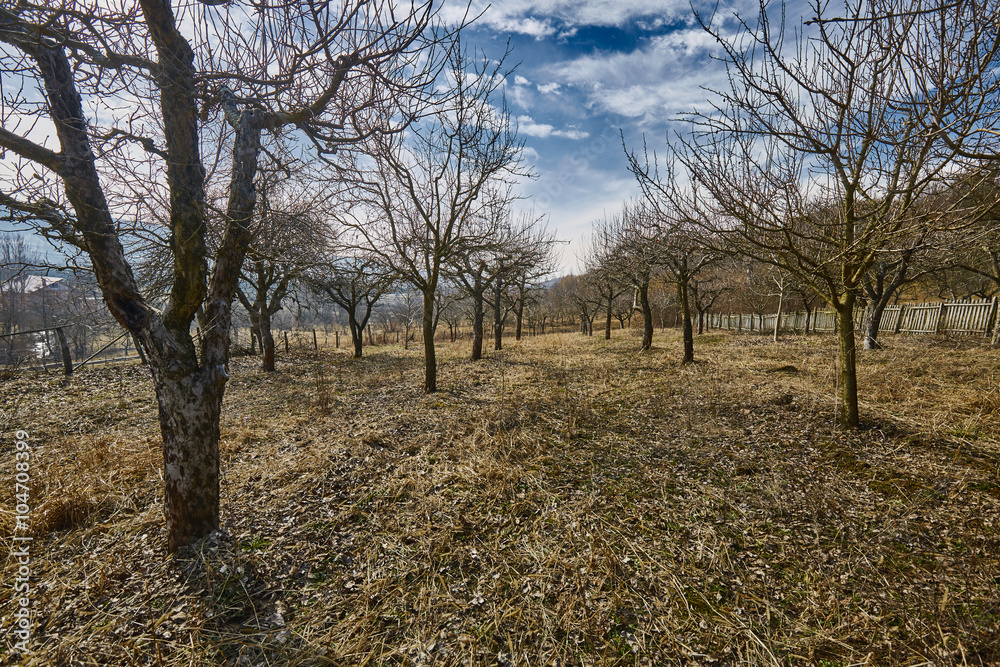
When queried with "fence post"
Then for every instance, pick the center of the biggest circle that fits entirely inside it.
(899, 320)
(286, 342)
(336, 338)
(940, 318)
(991, 319)
(315, 342)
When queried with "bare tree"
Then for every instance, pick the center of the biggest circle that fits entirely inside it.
(637, 257)
(521, 256)
(475, 271)
(16, 261)
(580, 292)
(814, 158)
(355, 282)
(334, 73)
(683, 255)
(707, 287)
(907, 263)
(534, 263)
(557, 303)
(418, 203)
(289, 237)
(453, 308)
(623, 308)
(603, 272)
(406, 309)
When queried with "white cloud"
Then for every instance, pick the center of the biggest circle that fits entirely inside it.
(656, 81)
(525, 25)
(521, 81)
(549, 88)
(538, 18)
(575, 135)
(526, 125)
(521, 96)
(530, 155)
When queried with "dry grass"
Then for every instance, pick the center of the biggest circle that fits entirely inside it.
(565, 502)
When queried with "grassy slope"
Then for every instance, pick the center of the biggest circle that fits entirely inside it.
(568, 501)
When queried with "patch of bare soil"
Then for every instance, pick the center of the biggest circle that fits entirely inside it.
(568, 501)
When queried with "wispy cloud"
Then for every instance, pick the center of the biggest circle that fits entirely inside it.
(544, 18)
(526, 125)
(662, 78)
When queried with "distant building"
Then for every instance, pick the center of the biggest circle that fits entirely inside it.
(30, 302)
(37, 285)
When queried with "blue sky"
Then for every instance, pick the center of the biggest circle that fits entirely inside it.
(585, 70)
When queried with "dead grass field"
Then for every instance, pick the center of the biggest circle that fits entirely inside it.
(565, 502)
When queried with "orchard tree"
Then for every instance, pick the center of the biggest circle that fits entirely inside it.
(521, 256)
(683, 257)
(603, 273)
(475, 271)
(354, 281)
(708, 286)
(815, 156)
(637, 257)
(289, 236)
(146, 89)
(418, 199)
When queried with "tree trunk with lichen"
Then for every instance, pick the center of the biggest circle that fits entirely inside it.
(189, 389)
(847, 377)
(688, 327)
(647, 316)
(430, 358)
(478, 308)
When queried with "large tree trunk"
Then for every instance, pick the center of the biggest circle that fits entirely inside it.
(189, 393)
(647, 316)
(430, 360)
(682, 297)
(190, 402)
(871, 331)
(477, 326)
(357, 334)
(266, 342)
(847, 382)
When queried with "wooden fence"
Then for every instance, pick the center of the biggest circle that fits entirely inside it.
(957, 317)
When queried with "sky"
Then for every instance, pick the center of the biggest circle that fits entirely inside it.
(588, 71)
